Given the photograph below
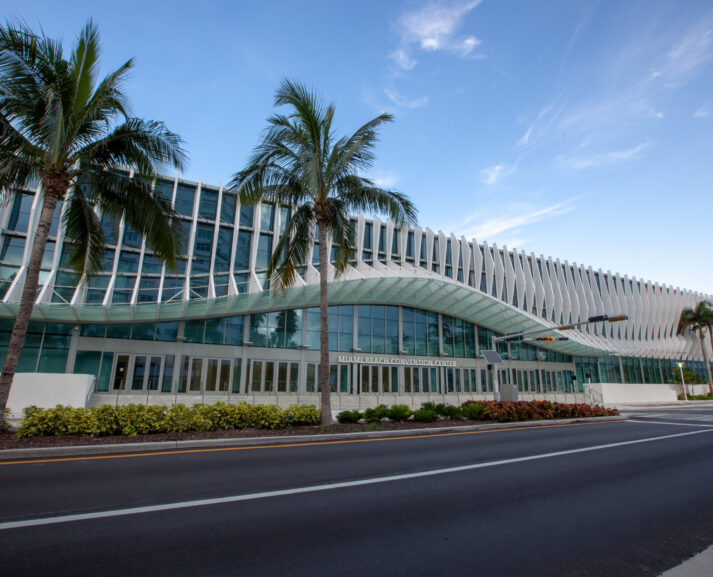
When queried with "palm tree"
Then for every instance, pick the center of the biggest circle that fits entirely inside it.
(62, 127)
(301, 164)
(698, 319)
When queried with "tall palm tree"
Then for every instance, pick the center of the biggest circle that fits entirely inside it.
(300, 163)
(63, 127)
(698, 320)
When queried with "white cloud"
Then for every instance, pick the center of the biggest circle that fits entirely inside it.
(434, 27)
(496, 173)
(511, 218)
(385, 179)
(704, 111)
(403, 102)
(599, 159)
(402, 59)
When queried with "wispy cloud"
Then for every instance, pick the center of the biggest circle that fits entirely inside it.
(402, 59)
(704, 111)
(385, 179)
(510, 217)
(432, 27)
(496, 173)
(582, 161)
(403, 102)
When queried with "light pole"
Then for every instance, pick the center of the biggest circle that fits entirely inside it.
(519, 336)
(683, 382)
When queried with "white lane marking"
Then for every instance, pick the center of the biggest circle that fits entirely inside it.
(330, 486)
(670, 423)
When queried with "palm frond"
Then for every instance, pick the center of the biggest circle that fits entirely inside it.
(84, 230)
(291, 250)
(361, 194)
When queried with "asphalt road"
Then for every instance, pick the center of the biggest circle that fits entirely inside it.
(626, 498)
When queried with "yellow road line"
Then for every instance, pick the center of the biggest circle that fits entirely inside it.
(288, 445)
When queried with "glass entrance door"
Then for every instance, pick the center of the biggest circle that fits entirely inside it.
(121, 370)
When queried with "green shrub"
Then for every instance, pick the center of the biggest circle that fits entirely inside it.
(430, 406)
(451, 412)
(377, 413)
(473, 410)
(400, 413)
(178, 418)
(349, 417)
(425, 416)
(304, 415)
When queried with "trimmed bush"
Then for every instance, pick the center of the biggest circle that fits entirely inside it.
(400, 413)
(304, 415)
(376, 414)
(349, 417)
(425, 416)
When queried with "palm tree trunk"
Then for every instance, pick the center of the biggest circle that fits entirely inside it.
(326, 406)
(705, 360)
(29, 292)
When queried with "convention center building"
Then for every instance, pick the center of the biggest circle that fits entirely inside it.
(407, 321)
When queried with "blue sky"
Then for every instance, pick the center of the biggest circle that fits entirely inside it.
(579, 130)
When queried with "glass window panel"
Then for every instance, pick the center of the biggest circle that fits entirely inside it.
(121, 372)
(132, 239)
(214, 329)
(167, 332)
(223, 248)
(199, 287)
(196, 374)
(148, 289)
(172, 288)
(128, 261)
(294, 377)
(137, 380)
(242, 256)
(211, 377)
(13, 248)
(267, 216)
(194, 331)
(234, 330)
(269, 377)
(55, 219)
(224, 380)
(185, 197)
(143, 331)
(227, 208)
(118, 331)
(151, 265)
(285, 216)
(164, 188)
(167, 380)
(123, 289)
(246, 215)
(208, 203)
(202, 248)
(20, 215)
(256, 376)
(264, 251)
(183, 376)
(110, 228)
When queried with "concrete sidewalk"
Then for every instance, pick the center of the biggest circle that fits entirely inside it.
(140, 447)
(700, 565)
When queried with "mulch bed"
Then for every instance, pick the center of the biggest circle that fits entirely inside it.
(9, 441)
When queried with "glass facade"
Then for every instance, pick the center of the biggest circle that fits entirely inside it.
(227, 249)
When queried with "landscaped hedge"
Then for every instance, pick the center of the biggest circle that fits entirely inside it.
(131, 420)
(502, 412)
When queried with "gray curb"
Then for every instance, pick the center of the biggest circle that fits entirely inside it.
(128, 448)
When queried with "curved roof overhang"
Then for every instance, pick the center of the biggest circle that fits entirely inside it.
(437, 295)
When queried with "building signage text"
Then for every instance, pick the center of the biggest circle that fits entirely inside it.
(403, 361)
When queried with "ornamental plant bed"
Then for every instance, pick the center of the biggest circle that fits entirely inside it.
(64, 426)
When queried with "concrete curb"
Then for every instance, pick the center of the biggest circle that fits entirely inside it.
(128, 448)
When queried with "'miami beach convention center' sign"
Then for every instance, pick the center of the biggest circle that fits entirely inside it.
(403, 361)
